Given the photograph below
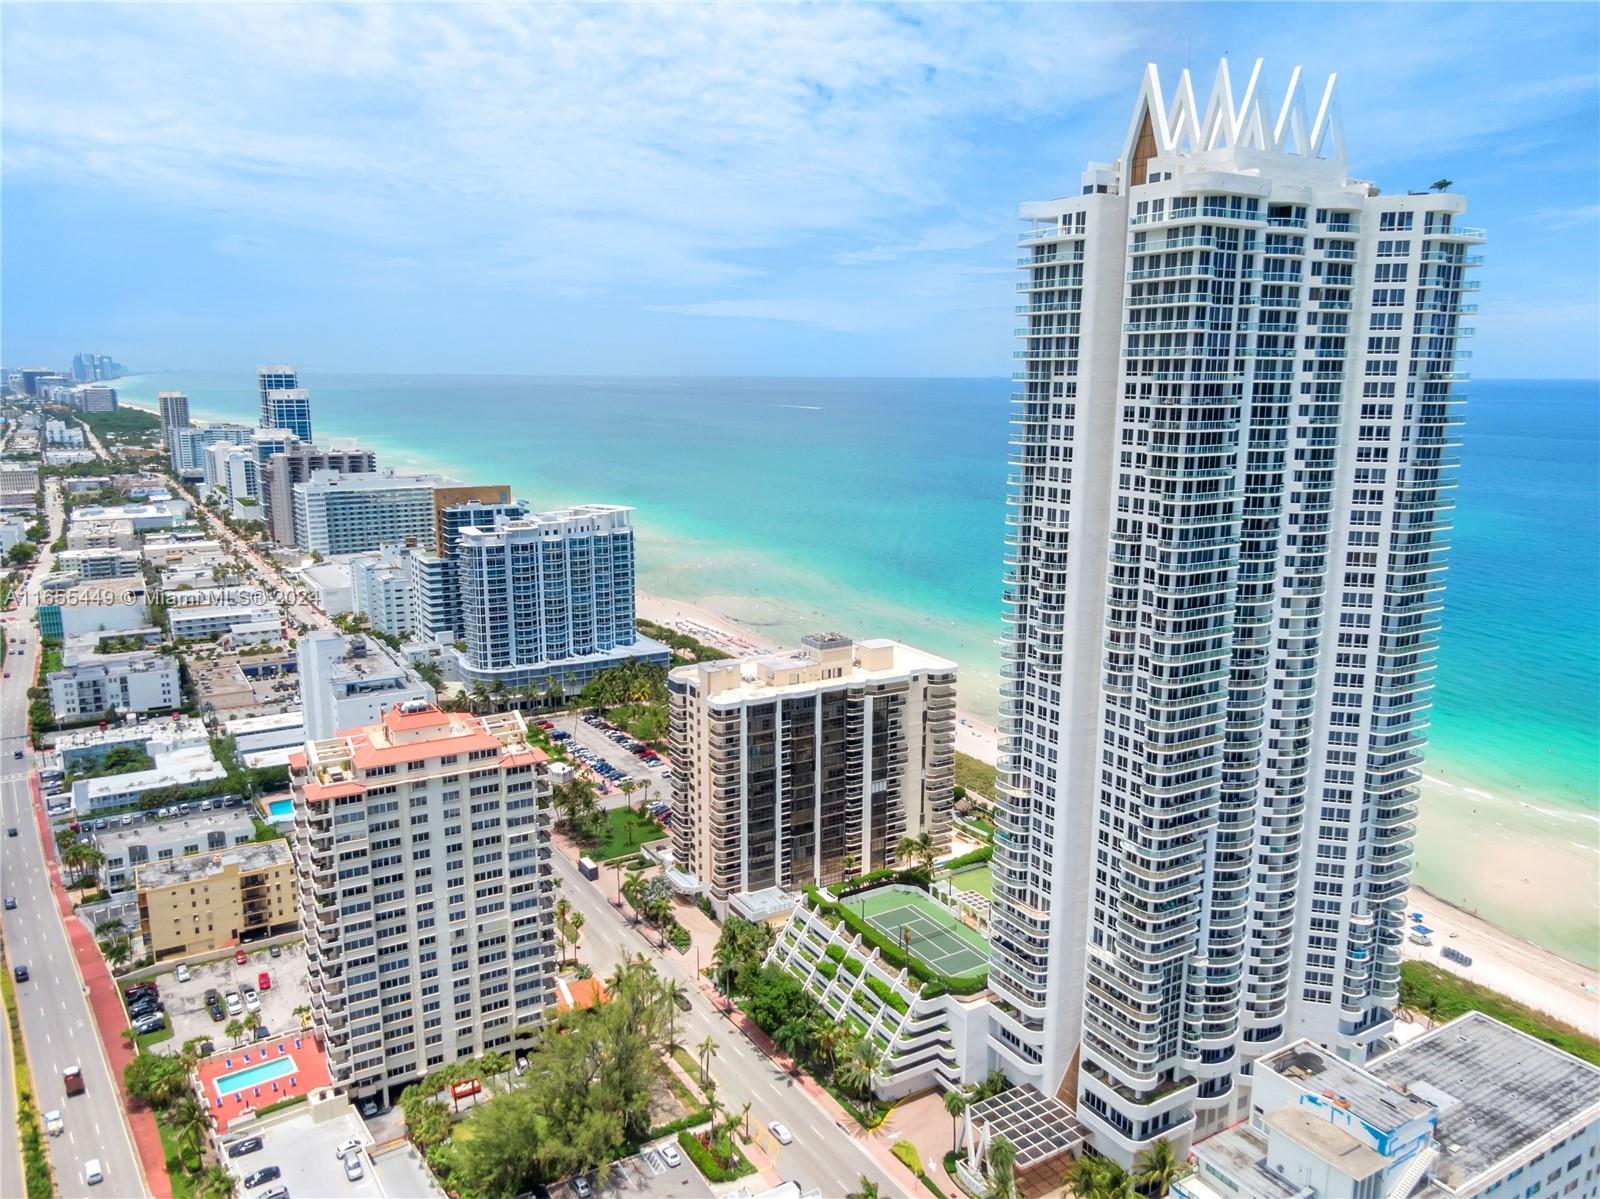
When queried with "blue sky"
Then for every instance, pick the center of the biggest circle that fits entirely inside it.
(699, 190)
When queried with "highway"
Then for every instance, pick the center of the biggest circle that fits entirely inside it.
(58, 1029)
(823, 1155)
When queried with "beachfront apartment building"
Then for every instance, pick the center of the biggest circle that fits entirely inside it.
(189, 444)
(1234, 421)
(337, 513)
(284, 403)
(800, 769)
(423, 850)
(382, 590)
(174, 406)
(94, 398)
(548, 598)
(209, 901)
(295, 463)
(235, 470)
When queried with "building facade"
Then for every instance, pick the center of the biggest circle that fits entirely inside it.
(174, 416)
(190, 442)
(426, 896)
(798, 769)
(284, 403)
(336, 513)
(19, 484)
(1234, 425)
(140, 681)
(383, 593)
(295, 464)
(192, 905)
(350, 681)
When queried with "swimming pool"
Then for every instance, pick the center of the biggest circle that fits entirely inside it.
(240, 1080)
(281, 810)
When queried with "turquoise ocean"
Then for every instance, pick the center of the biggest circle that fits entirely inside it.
(876, 506)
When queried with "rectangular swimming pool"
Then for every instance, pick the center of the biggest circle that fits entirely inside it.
(241, 1080)
(281, 810)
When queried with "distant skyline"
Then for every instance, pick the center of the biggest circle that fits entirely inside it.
(758, 190)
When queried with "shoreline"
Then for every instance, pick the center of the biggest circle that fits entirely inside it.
(1510, 964)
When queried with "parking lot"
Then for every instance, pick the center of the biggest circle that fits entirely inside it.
(646, 1173)
(594, 740)
(186, 1007)
(303, 1152)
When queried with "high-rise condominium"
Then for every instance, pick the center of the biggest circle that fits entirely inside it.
(1234, 430)
(284, 403)
(422, 849)
(174, 416)
(791, 770)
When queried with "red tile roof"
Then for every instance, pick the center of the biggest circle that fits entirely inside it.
(580, 993)
(401, 722)
(322, 792)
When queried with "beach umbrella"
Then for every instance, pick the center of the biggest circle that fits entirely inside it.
(1416, 915)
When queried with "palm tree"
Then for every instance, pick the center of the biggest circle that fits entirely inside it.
(927, 851)
(905, 853)
(1157, 1168)
(189, 1120)
(108, 927)
(252, 1021)
(630, 890)
(860, 1070)
(217, 1183)
(1117, 1183)
(576, 921)
(848, 864)
(955, 1103)
(1087, 1176)
(563, 910)
(865, 1189)
(744, 1114)
(233, 1029)
(672, 992)
(1442, 185)
(304, 1014)
(117, 952)
(1002, 1167)
(707, 1050)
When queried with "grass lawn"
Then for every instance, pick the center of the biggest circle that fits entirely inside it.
(627, 830)
(147, 1039)
(975, 775)
(182, 1180)
(1444, 996)
(936, 938)
(975, 878)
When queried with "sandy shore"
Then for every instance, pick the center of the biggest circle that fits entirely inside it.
(1506, 963)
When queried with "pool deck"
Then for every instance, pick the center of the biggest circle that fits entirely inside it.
(310, 1074)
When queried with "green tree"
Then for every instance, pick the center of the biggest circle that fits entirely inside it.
(1002, 1169)
(865, 1189)
(1442, 185)
(189, 1121)
(303, 1013)
(563, 910)
(233, 1029)
(707, 1049)
(860, 1071)
(955, 1102)
(1157, 1168)
(217, 1183)
(155, 1078)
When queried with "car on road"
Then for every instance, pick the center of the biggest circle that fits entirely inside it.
(266, 1174)
(92, 1173)
(248, 1145)
(21, 973)
(11, 830)
(345, 1148)
(181, 973)
(670, 1155)
(11, 903)
(52, 1122)
(72, 1080)
(780, 1130)
(681, 999)
(352, 1168)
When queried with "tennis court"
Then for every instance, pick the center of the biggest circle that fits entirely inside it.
(937, 939)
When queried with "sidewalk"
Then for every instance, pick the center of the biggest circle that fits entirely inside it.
(106, 1006)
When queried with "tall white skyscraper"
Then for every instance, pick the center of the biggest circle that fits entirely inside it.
(1231, 478)
(174, 416)
(284, 403)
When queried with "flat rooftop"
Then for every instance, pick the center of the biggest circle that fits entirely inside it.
(1497, 1090)
(1332, 1145)
(157, 835)
(825, 661)
(256, 855)
(1239, 1152)
(1320, 1073)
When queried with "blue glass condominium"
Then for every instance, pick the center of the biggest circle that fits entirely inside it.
(549, 597)
(284, 403)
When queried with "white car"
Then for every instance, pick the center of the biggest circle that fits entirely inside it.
(670, 1155)
(52, 1122)
(352, 1168)
(234, 1006)
(92, 1172)
(252, 1003)
(781, 1131)
(345, 1148)
(181, 973)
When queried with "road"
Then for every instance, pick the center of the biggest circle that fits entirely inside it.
(58, 1030)
(823, 1155)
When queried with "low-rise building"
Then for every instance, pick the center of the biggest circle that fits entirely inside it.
(162, 514)
(106, 563)
(113, 533)
(209, 901)
(19, 484)
(138, 681)
(785, 766)
(13, 530)
(197, 622)
(179, 768)
(77, 748)
(1472, 1109)
(92, 606)
(350, 681)
(330, 586)
(126, 848)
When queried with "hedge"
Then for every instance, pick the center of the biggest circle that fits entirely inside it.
(701, 1157)
(1444, 996)
(891, 952)
(853, 965)
(976, 858)
(827, 969)
(888, 994)
(36, 1164)
(836, 952)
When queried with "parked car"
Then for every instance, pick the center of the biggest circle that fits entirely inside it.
(266, 1174)
(352, 1168)
(264, 981)
(238, 955)
(279, 1192)
(276, 951)
(670, 1155)
(252, 1003)
(581, 1187)
(343, 1148)
(235, 1007)
(138, 988)
(262, 1032)
(181, 973)
(150, 1024)
(240, 1148)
